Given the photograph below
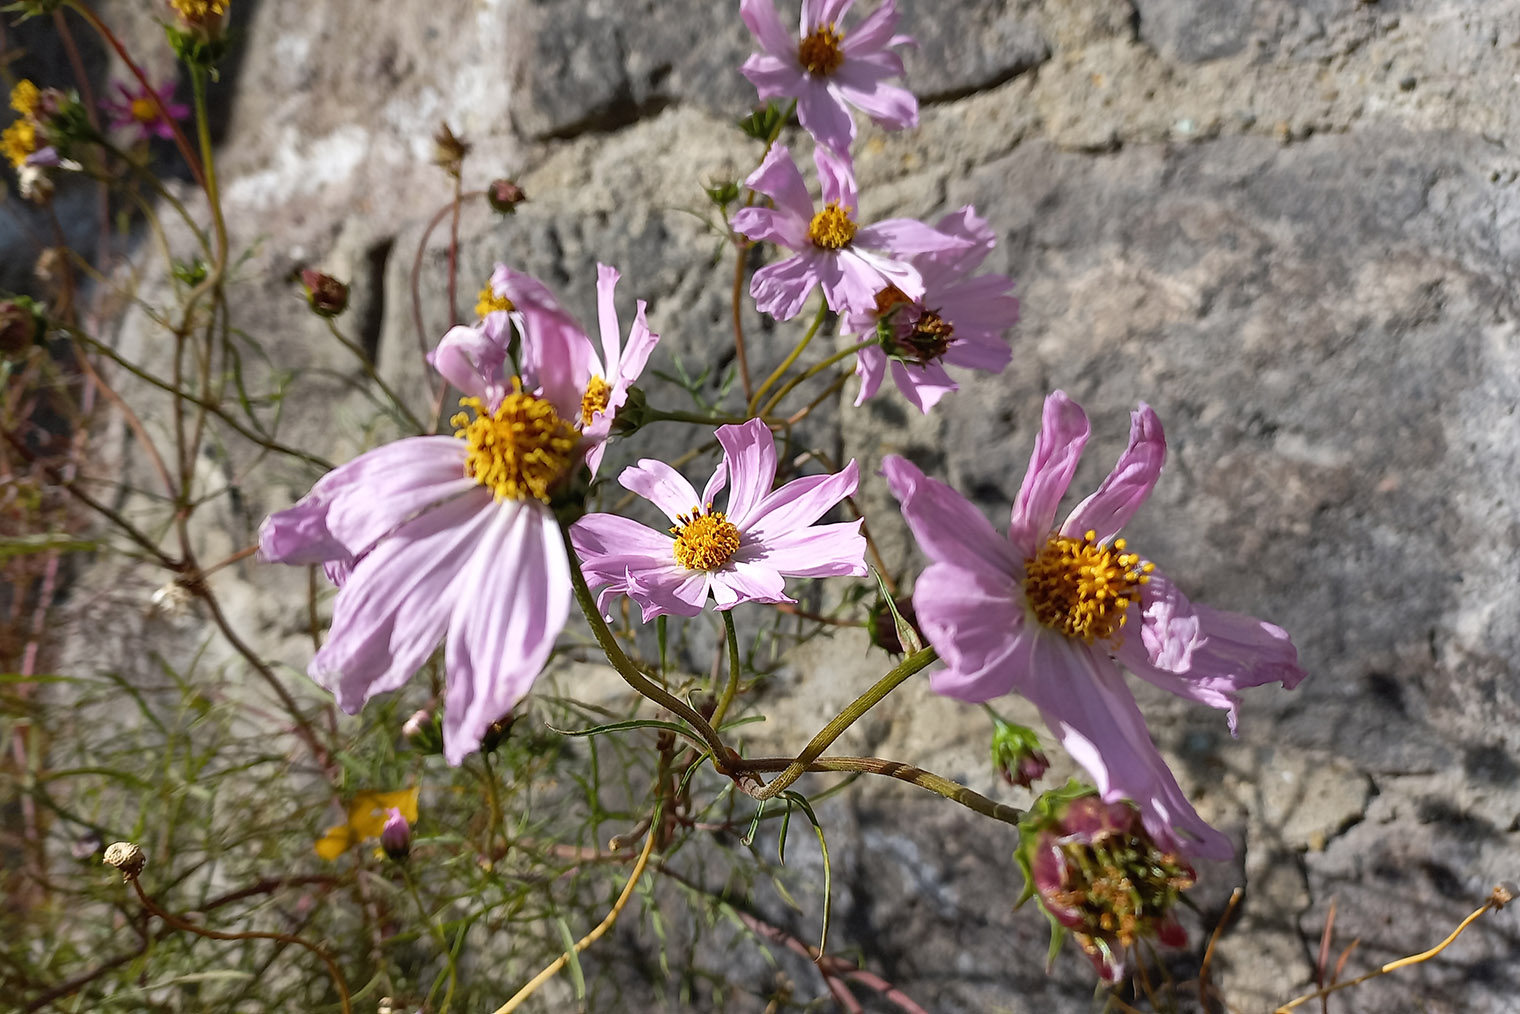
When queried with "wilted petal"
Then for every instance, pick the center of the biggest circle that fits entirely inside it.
(771, 225)
(870, 367)
(472, 361)
(1086, 704)
(780, 289)
(923, 385)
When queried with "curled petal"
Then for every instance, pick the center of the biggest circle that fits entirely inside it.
(471, 359)
(799, 503)
(1063, 433)
(945, 524)
(1127, 486)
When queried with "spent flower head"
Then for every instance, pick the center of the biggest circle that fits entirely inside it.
(829, 67)
(960, 319)
(743, 553)
(1097, 873)
(1051, 612)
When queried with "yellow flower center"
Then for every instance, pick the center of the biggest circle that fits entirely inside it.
(521, 450)
(831, 228)
(595, 399)
(143, 110)
(19, 141)
(25, 98)
(490, 302)
(820, 53)
(704, 541)
(197, 10)
(1082, 588)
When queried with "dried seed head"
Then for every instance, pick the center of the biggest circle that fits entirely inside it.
(127, 857)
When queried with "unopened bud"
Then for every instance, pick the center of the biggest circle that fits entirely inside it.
(1016, 753)
(327, 296)
(423, 733)
(396, 836)
(505, 195)
(20, 325)
(496, 733)
(126, 857)
(722, 192)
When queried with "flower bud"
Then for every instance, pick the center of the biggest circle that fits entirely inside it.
(1016, 753)
(396, 836)
(20, 325)
(126, 857)
(1098, 874)
(423, 733)
(496, 733)
(505, 195)
(327, 296)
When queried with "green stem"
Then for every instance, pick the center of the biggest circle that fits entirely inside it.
(909, 666)
(438, 936)
(954, 791)
(786, 364)
(368, 366)
(722, 755)
(806, 375)
(732, 688)
(658, 415)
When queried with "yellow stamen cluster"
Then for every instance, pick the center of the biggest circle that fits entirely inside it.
(25, 98)
(1120, 886)
(521, 450)
(598, 393)
(820, 53)
(704, 541)
(143, 110)
(490, 302)
(198, 10)
(1082, 588)
(831, 228)
(18, 142)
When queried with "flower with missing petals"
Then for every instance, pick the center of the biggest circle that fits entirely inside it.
(448, 538)
(827, 68)
(1098, 874)
(959, 321)
(850, 261)
(135, 109)
(475, 354)
(740, 554)
(1052, 612)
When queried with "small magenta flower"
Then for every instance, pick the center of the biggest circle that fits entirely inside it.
(1097, 873)
(134, 109)
(1053, 612)
(828, 69)
(448, 538)
(960, 320)
(852, 262)
(741, 554)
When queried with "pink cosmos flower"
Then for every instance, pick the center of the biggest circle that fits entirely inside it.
(959, 320)
(134, 108)
(741, 554)
(448, 538)
(475, 354)
(851, 262)
(1052, 612)
(827, 69)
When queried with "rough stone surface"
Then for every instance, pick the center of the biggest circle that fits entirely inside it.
(1243, 213)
